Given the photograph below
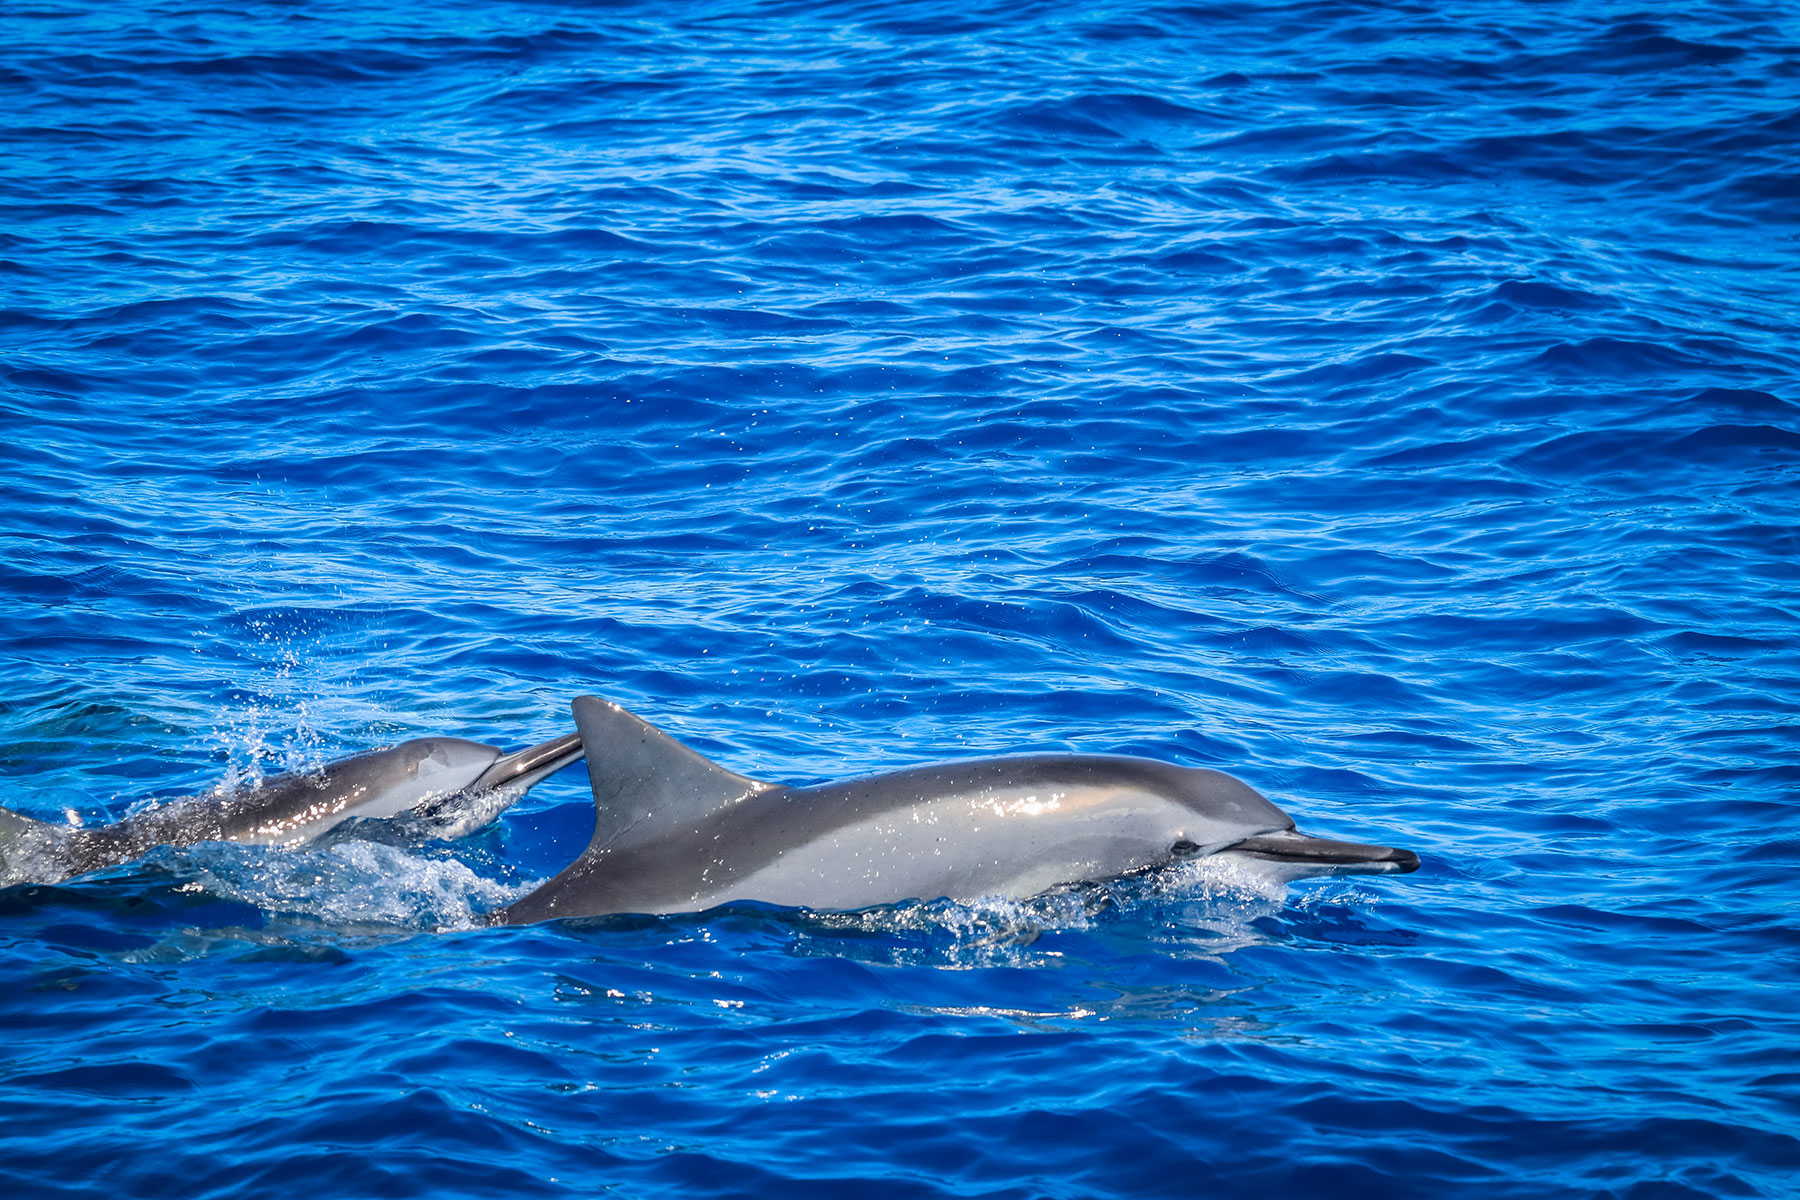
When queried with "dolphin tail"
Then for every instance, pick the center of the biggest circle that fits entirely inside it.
(33, 851)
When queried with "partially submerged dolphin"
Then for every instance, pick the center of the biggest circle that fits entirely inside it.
(674, 832)
(417, 778)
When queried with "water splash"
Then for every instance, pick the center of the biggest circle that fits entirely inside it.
(352, 886)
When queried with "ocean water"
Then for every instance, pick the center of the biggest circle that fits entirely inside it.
(1391, 404)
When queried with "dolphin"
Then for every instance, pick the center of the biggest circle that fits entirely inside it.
(674, 832)
(425, 778)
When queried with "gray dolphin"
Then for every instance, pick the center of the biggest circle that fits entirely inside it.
(419, 778)
(674, 832)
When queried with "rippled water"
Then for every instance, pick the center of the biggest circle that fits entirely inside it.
(1390, 404)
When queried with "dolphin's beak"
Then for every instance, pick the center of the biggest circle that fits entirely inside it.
(1322, 856)
(525, 767)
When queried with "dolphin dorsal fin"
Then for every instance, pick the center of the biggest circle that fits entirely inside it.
(642, 777)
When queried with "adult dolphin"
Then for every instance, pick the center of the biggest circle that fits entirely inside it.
(674, 832)
(422, 777)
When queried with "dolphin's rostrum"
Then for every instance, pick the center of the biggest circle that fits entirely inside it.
(418, 778)
(674, 832)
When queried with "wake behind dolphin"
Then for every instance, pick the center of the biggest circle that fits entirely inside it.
(674, 832)
(424, 778)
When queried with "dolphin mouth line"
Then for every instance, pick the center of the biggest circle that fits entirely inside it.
(1301, 849)
(531, 764)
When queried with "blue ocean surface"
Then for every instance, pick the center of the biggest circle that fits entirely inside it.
(1391, 404)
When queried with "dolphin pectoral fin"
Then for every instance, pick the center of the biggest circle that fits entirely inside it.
(1322, 856)
(526, 767)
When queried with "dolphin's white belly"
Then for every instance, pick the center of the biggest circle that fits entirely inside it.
(997, 842)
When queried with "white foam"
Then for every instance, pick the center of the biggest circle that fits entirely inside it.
(1223, 878)
(354, 884)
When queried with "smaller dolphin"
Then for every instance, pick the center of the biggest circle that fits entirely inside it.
(674, 832)
(424, 777)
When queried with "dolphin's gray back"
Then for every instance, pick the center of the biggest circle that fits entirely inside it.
(674, 832)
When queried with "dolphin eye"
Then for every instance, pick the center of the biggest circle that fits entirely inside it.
(1184, 849)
